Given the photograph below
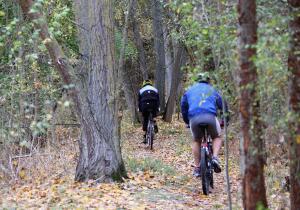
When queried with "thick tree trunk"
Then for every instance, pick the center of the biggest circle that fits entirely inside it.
(254, 192)
(294, 104)
(94, 93)
(159, 50)
(180, 59)
(138, 42)
(100, 153)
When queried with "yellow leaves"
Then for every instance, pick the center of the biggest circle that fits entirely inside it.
(15, 163)
(47, 41)
(22, 173)
(298, 139)
(148, 187)
(276, 185)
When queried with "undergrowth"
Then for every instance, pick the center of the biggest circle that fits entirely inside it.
(149, 164)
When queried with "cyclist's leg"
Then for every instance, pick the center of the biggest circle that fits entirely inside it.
(154, 113)
(145, 120)
(145, 124)
(196, 146)
(217, 144)
(197, 136)
(215, 132)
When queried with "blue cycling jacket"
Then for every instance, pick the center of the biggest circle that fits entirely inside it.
(200, 98)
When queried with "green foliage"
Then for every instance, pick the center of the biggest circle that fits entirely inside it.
(209, 30)
(130, 50)
(210, 36)
(28, 84)
(272, 52)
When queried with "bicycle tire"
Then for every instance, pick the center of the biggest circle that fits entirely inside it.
(151, 136)
(211, 179)
(150, 132)
(204, 172)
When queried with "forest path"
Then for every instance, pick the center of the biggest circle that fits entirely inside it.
(172, 160)
(158, 179)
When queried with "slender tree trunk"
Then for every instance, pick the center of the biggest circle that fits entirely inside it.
(129, 91)
(94, 93)
(159, 50)
(169, 59)
(254, 192)
(294, 104)
(180, 59)
(139, 42)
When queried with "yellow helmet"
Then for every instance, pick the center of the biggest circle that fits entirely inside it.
(147, 82)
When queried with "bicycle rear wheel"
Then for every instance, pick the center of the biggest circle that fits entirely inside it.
(150, 132)
(204, 172)
(151, 137)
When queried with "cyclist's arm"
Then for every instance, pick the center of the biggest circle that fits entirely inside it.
(220, 107)
(185, 109)
(139, 101)
(158, 102)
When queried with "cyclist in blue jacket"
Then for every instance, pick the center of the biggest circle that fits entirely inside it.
(199, 105)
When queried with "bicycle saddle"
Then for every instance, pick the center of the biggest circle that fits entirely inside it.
(203, 125)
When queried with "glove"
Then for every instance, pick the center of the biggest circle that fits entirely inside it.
(222, 124)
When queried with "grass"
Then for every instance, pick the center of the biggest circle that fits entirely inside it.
(182, 145)
(149, 164)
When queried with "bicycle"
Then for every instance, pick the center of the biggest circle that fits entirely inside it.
(150, 131)
(206, 167)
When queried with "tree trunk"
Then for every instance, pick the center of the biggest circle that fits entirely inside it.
(129, 91)
(180, 59)
(294, 104)
(100, 153)
(254, 192)
(94, 93)
(169, 60)
(132, 90)
(159, 51)
(138, 42)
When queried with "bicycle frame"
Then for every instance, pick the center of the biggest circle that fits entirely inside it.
(207, 143)
(206, 162)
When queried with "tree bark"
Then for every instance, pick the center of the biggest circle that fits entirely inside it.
(92, 87)
(139, 42)
(294, 104)
(159, 50)
(254, 192)
(180, 59)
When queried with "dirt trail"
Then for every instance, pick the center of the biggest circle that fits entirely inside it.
(159, 179)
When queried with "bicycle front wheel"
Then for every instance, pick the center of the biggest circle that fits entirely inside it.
(204, 172)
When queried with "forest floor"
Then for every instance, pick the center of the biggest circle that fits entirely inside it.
(158, 179)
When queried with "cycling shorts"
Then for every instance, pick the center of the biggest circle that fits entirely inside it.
(214, 128)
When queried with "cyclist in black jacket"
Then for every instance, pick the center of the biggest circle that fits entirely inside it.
(148, 102)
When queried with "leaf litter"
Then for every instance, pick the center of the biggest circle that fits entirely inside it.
(158, 179)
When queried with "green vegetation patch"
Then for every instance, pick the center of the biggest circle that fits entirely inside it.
(149, 164)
